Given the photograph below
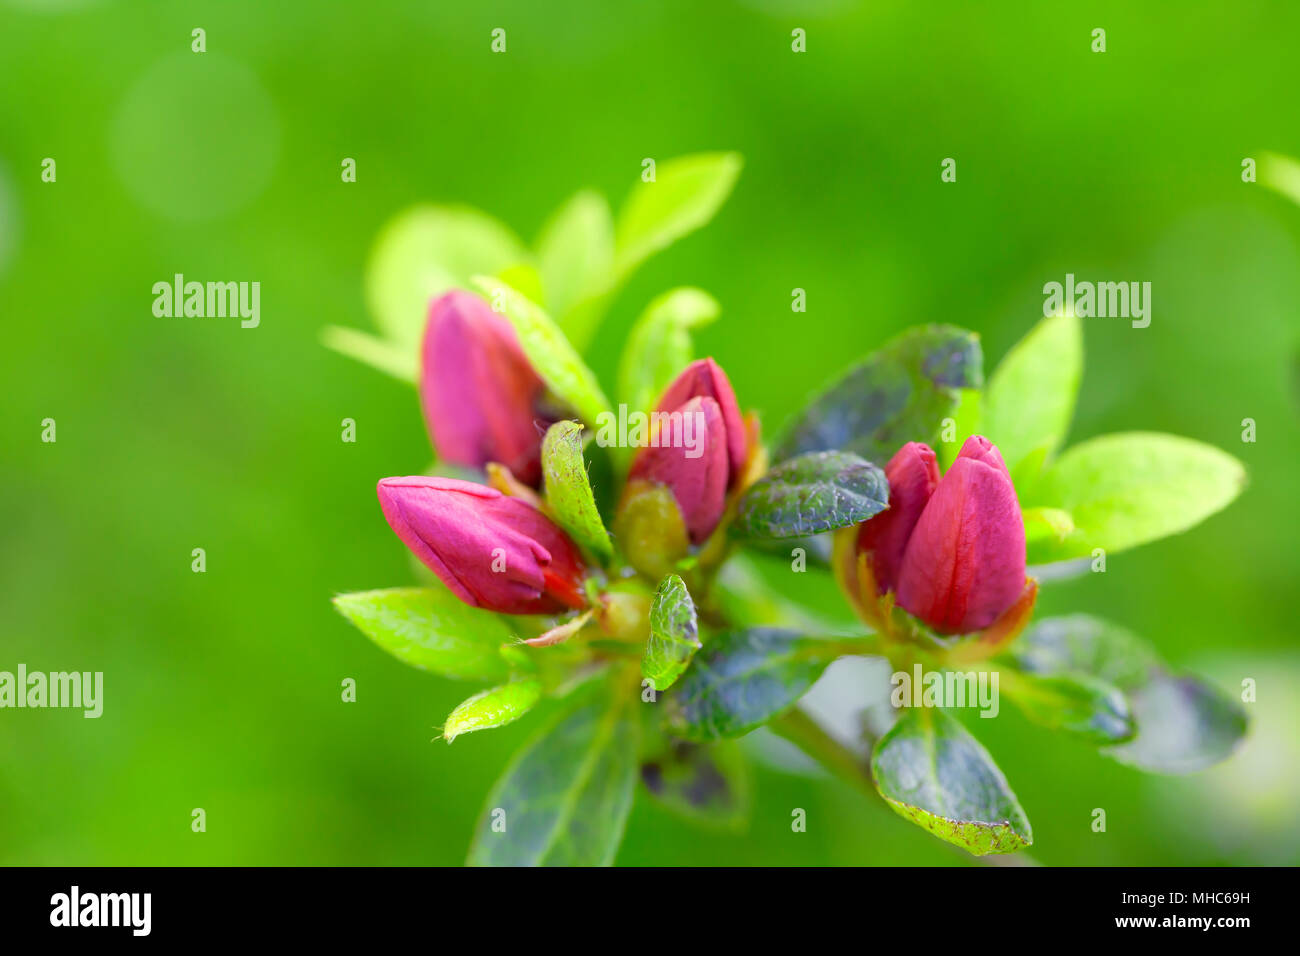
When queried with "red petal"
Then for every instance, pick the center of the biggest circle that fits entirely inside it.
(913, 475)
(965, 562)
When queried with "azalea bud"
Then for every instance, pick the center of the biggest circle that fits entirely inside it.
(704, 378)
(913, 475)
(696, 472)
(962, 560)
(491, 550)
(481, 397)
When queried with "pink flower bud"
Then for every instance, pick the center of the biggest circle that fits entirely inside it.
(493, 551)
(690, 459)
(479, 393)
(962, 565)
(913, 475)
(704, 378)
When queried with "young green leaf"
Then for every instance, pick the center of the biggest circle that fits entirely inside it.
(1280, 173)
(901, 393)
(1183, 724)
(1126, 489)
(1031, 394)
(968, 419)
(744, 678)
(494, 707)
(674, 634)
(1040, 522)
(815, 492)
(564, 799)
(933, 772)
(548, 350)
(432, 629)
(685, 194)
(428, 250)
(401, 363)
(1076, 703)
(575, 252)
(659, 345)
(706, 784)
(568, 489)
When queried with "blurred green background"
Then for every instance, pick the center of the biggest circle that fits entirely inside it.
(222, 690)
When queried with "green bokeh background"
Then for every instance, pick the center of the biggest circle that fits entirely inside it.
(223, 689)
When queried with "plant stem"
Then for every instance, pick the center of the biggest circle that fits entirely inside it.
(809, 736)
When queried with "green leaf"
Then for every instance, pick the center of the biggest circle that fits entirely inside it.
(1031, 394)
(686, 194)
(933, 772)
(1081, 644)
(432, 629)
(901, 393)
(1076, 703)
(659, 345)
(494, 707)
(816, 492)
(744, 678)
(1281, 174)
(575, 252)
(968, 417)
(1183, 724)
(428, 250)
(1047, 521)
(706, 784)
(1126, 489)
(401, 363)
(548, 350)
(674, 634)
(564, 799)
(568, 489)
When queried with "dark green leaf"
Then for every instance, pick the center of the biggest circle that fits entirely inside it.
(432, 629)
(707, 784)
(742, 679)
(1076, 703)
(898, 394)
(1183, 724)
(565, 797)
(674, 634)
(1082, 644)
(933, 772)
(816, 492)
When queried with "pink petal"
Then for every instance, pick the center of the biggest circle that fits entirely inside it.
(965, 562)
